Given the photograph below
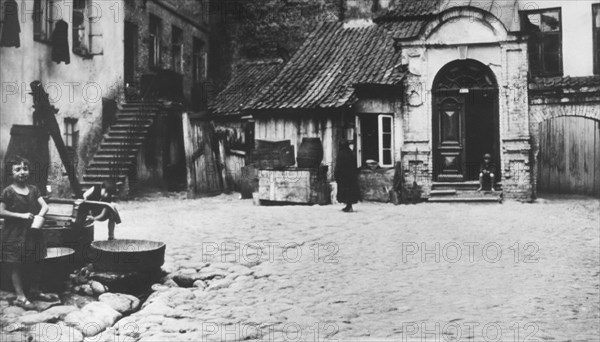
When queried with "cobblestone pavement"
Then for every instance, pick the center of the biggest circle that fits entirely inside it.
(428, 272)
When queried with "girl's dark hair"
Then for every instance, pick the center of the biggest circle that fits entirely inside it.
(17, 160)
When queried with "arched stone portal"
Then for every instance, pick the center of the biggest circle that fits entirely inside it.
(465, 120)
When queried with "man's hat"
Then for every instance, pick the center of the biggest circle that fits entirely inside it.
(487, 156)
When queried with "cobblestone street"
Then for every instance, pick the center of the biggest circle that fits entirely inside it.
(434, 272)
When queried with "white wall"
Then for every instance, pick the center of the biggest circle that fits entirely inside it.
(76, 89)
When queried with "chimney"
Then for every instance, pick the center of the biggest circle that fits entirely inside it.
(362, 12)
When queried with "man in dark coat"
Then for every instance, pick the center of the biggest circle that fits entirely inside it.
(346, 176)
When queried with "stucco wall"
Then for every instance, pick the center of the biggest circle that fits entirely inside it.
(76, 89)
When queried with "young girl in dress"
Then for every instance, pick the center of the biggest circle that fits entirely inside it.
(23, 247)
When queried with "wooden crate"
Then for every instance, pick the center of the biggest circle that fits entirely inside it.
(294, 185)
(276, 158)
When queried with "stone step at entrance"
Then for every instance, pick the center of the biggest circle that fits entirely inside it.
(464, 192)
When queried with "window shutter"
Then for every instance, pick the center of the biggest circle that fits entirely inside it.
(358, 142)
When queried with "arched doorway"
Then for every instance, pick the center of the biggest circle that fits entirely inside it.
(465, 120)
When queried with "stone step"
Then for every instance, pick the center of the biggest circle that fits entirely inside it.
(133, 120)
(486, 199)
(126, 126)
(108, 157)
(124, 134)
(443, 192)
(470, 185)
(101, 178)
(121, 143)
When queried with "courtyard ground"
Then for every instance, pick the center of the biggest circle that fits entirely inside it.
(427, 272)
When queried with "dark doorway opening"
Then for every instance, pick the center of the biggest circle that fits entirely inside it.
(480, 131)
(465, 120)
(130, 53)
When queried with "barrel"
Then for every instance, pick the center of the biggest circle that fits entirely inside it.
(310, 153)
(30, 142)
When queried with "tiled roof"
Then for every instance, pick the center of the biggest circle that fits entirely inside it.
(249, 79)
(417, 12)
(406, 9)
(333, 59)
(567, 82)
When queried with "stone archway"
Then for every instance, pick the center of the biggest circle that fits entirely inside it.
(465, 120)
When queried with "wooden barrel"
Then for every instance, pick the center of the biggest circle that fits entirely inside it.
(30, 142)
(310, 153)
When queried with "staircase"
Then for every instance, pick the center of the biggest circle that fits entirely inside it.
(116, 156)
(464, 192)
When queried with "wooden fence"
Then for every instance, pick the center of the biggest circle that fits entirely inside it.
(569, 157)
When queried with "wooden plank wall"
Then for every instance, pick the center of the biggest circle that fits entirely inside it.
(202, 155)
(569, 158)
(295, 129)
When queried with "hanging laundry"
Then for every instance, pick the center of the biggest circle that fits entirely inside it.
(11, 28)
(60, 43)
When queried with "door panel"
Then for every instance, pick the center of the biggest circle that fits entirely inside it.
(450, 139)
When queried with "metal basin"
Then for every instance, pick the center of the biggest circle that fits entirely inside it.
(127, 255)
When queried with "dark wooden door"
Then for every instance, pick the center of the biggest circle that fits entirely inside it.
(131, 36)
(449, 141)
(569, 156)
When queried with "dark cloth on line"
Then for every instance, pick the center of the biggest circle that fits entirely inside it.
(346, 175)
(11, 27)
(60, 43)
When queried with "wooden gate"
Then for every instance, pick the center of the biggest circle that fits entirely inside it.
(202, 158)
(569, 156)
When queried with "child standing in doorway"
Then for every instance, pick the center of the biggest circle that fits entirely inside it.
(23, 247)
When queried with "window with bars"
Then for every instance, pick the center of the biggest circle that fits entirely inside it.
(596, 28)
(154, 41)
(45, 13)
(87, 34)
(545, 41)
(176, 49)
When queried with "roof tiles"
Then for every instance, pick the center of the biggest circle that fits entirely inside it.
(334, 58)
(248, 81)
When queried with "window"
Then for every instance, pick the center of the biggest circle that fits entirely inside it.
(545, 41)
(176, 49)
(596, 25)
(375, 139)
(71, 142)
(45, 13)
(198, 61)
(87, 35)
(154, 41)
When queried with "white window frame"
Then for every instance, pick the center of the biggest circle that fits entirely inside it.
(381, 133)
(43, 25)
(380, 118)
(90, 29)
